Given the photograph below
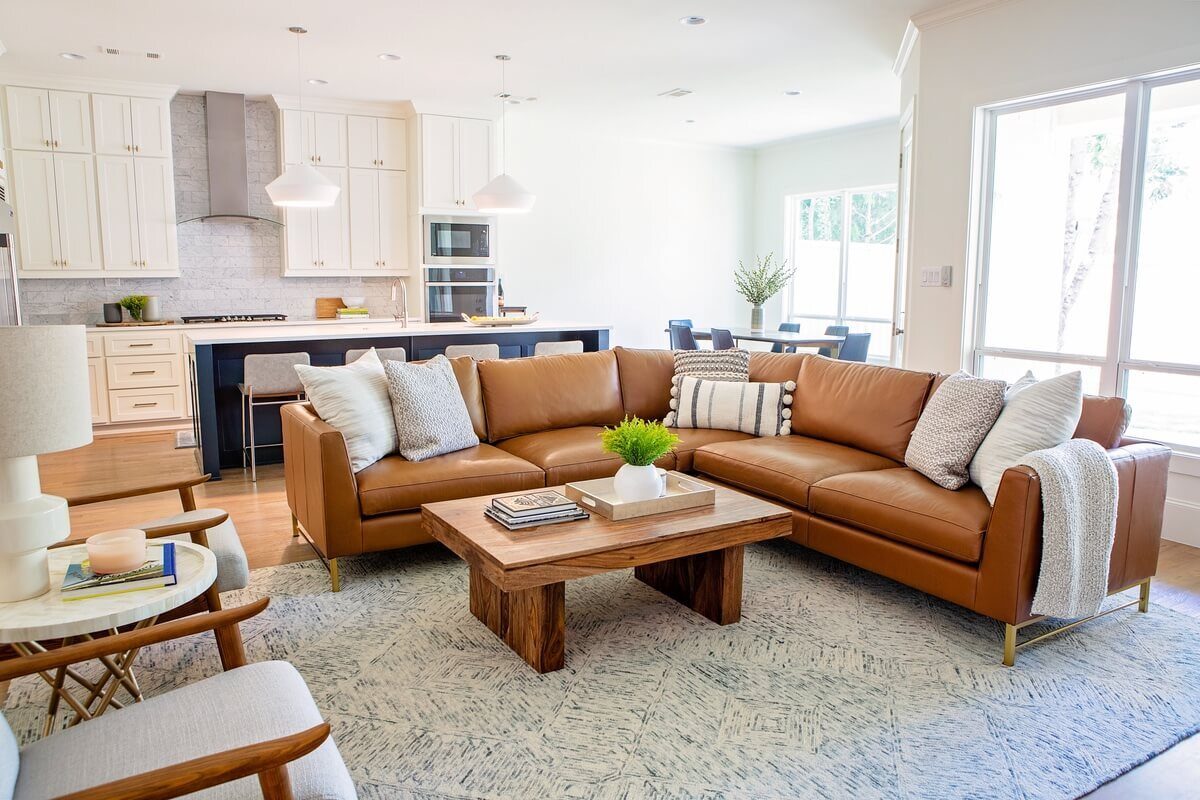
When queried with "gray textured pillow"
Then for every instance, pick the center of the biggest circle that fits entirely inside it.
(709, 365)
(952, 426)
(1037, 415)
(431, 415)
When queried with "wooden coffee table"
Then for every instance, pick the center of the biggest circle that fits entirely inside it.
(518, 578)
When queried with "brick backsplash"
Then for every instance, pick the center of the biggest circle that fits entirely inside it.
(225, 267)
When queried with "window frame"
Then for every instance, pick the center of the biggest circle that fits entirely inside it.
(1117, 363)
(791, 215)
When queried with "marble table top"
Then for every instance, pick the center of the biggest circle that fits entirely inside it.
(48, 616)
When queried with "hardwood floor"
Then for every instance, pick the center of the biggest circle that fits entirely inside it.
(261, 514)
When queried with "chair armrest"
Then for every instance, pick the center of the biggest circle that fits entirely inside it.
(322, 491)
(201, 773)
(201, 519)
(129, 640)
(136, 491)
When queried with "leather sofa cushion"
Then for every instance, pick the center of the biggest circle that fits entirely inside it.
(907, 507)
(393, 484)
(768, 367)
(1102, 420)
(529, 395)
(570, 454)
(645, 381)
(690, 439)
(865, 406)
(783, 467)
(467, 373)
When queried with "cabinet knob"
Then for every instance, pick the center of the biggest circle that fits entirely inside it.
(134, 262)
(314, 263)
(46, 142)
(129, 147)
(137, 148)
(56, 142)
(381, 162)
(322, 263)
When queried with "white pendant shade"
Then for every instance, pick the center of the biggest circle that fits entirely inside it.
(504, 196)
(301, 186)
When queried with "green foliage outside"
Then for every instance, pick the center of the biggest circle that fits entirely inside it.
(135, 304)
(638, 442)
(764, 280)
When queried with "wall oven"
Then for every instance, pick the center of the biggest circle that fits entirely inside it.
(459, 241)
(451, 292)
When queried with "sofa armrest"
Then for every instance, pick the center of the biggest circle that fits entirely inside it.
(1012, 546)
(321, 489)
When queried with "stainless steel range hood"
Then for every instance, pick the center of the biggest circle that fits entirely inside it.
(228, 184)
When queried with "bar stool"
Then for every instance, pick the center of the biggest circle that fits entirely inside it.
(557, 348)
(273, 377)
(384, 353)
(475, 351)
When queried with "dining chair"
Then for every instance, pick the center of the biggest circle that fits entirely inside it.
(855, 347)
(786, 327)
(686, 323)
(833, 330)
(682, 338)
(268, 379)
(384, 353)
(722, 339)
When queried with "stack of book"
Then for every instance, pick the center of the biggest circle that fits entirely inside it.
(530, 510)
(80, 582)
(353, 312)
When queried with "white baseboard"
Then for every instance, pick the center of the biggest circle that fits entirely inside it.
(1181, 522)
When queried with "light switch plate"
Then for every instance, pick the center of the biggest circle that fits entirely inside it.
(937, 276)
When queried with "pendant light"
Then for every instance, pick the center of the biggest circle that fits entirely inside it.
(503, 195)
(301, 185)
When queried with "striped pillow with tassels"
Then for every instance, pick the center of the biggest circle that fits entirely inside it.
(761, 409)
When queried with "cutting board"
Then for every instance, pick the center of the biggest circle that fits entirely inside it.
(134, 324)
(327, 307)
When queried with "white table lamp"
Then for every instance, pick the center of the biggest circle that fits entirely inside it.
(45, 406)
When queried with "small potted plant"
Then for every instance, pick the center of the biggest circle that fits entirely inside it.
(639, 444)
(760, 283)
(135, 304)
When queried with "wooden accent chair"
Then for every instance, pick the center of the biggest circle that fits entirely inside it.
(253, 720)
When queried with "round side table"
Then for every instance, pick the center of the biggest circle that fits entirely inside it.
(49, 617)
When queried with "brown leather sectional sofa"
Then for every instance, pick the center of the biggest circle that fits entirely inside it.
(841, 471)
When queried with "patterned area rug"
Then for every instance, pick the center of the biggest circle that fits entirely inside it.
(836, 683)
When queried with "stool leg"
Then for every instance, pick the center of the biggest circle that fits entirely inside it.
(253, 452)
(243, 430)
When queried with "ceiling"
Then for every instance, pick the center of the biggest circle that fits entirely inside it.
(605, 62)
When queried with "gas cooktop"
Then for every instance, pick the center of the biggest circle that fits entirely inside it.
(196, 320)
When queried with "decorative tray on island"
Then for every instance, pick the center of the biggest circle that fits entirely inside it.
(499, 322)
(683, 492)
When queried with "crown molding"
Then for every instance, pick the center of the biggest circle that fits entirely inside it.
(367, 108)
(951, 12)
(74, 83)
(907, 43)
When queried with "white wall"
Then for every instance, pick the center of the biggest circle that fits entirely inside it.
(838, 159)
(627, 232)
(1018, 49)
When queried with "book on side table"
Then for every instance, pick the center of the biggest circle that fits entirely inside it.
(533, 509)
(80, 583)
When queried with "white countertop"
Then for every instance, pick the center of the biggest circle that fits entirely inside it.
(359, 329)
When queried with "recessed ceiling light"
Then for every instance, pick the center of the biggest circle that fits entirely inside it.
(793, 92)
(692, 20)
(72, 56)
(388, 57)
(317, 81)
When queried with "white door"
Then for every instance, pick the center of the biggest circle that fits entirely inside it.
(151, 127)
(71, 121)
(118, 212)
(474, 158)
(113, 124)
(903, 201)
(393, 220)
(333, 225)
(329, 138)
(439, 161)
(29, 119)
(156, 213)
(297, 137)
(393, 143)
(301, 236)
(361, 142)
(37, 210)
(364, 219)
(78, 217)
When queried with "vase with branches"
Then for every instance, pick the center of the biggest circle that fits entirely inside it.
(760, 283)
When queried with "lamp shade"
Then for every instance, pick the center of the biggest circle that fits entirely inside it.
(45, 402)
(301, 186)
(504, 196)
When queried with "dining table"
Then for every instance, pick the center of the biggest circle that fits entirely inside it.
(785, 338)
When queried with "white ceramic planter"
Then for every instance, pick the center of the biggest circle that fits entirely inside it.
(633, 483)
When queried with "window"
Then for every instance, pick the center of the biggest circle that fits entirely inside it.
(1087, 259)
(843, 245)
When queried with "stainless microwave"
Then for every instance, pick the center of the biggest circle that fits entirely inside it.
(459, 241)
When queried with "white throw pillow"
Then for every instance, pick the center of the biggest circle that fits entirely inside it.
(354, 399)
(1037, 415)
(762, 409)
(428, 408)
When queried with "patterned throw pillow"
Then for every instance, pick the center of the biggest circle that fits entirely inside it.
(952, 426)
(712, 365)
(761, 409)
(431, 415)
(354, 399)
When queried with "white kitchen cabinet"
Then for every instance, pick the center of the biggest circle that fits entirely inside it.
(36, 202)
(98, 390)
(158, 244)
(112, 122)
(313, 137)
(300, 252)
(57, 219)
(378, 220)
(376, 142)
(137, 213)
(333, 225)
(78, 215)
(71, 121)
(151, 127)
(118, 210)
(393, 221)
(456, 161)
(29, 119)
(364, 218)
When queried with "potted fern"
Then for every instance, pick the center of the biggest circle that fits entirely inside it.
(760, 283)
(135, 304)
(639, 444)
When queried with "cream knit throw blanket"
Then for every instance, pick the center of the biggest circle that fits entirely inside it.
(1079, 520)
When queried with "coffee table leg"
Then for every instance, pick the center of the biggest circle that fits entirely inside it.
(530, 621)
(708, 583)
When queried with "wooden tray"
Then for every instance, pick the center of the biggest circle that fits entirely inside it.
(135, 324)
(500, 322)
(683, 492)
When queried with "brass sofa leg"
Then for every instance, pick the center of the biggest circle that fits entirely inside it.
(295, 527)
(334, 577)
(1144, 596)
(1010, 644)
